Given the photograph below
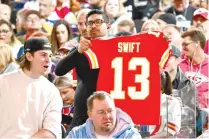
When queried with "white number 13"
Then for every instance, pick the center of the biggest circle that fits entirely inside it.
(142, 78)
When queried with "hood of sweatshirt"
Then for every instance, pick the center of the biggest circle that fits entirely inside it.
(123, 122)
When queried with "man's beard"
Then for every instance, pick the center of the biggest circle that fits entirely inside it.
(107, 129)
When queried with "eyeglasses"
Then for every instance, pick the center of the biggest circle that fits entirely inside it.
(4, 31)
(186, 44)
(32, 20)
(103, 113)
(97, 22)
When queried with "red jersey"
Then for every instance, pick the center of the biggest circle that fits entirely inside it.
(129, 71)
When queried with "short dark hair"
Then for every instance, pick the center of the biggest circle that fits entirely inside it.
(96, 11)
(195, 35)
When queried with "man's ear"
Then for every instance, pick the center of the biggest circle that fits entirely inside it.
(89, 114)
(29, 56)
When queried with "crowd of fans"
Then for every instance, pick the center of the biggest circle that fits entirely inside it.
(67, 27)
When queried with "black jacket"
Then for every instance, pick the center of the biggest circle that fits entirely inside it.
(87, 80)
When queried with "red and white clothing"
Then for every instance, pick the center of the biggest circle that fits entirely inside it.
(129, 70)
(170, 114)
(63, 13)
(199, 76)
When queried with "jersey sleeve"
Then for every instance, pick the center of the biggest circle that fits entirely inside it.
(92, 59)
(174, 117)
(165, 57)
(67, 63)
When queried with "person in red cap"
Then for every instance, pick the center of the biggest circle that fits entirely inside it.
(200, 15)
(201, 21)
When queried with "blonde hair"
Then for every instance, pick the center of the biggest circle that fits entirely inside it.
(6, 56)
(153, 22)
(64, 81)
(127, 22)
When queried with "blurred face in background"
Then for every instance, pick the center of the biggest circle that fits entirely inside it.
(112, 8)
(62, 34)
(179, 5)
(201, 23)
(67, 94)
(198, 20)
(5, 33)
(149, 27)
(81, 24)
(173, 35)
(204, 4)
(195, 3)
(45, 8)
(5, 13)
(33, 21)
(124, 28)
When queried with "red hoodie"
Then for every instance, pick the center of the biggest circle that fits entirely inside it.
(199, 75)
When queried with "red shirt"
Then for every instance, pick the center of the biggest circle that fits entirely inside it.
(129, 71)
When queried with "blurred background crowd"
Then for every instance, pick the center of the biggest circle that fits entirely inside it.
(63, 23)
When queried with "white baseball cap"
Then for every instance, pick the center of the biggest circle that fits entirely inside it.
(201, 12)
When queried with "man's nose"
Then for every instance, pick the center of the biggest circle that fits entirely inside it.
(107, 115)
(93, 25)
(63, 97)
(48, 59)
